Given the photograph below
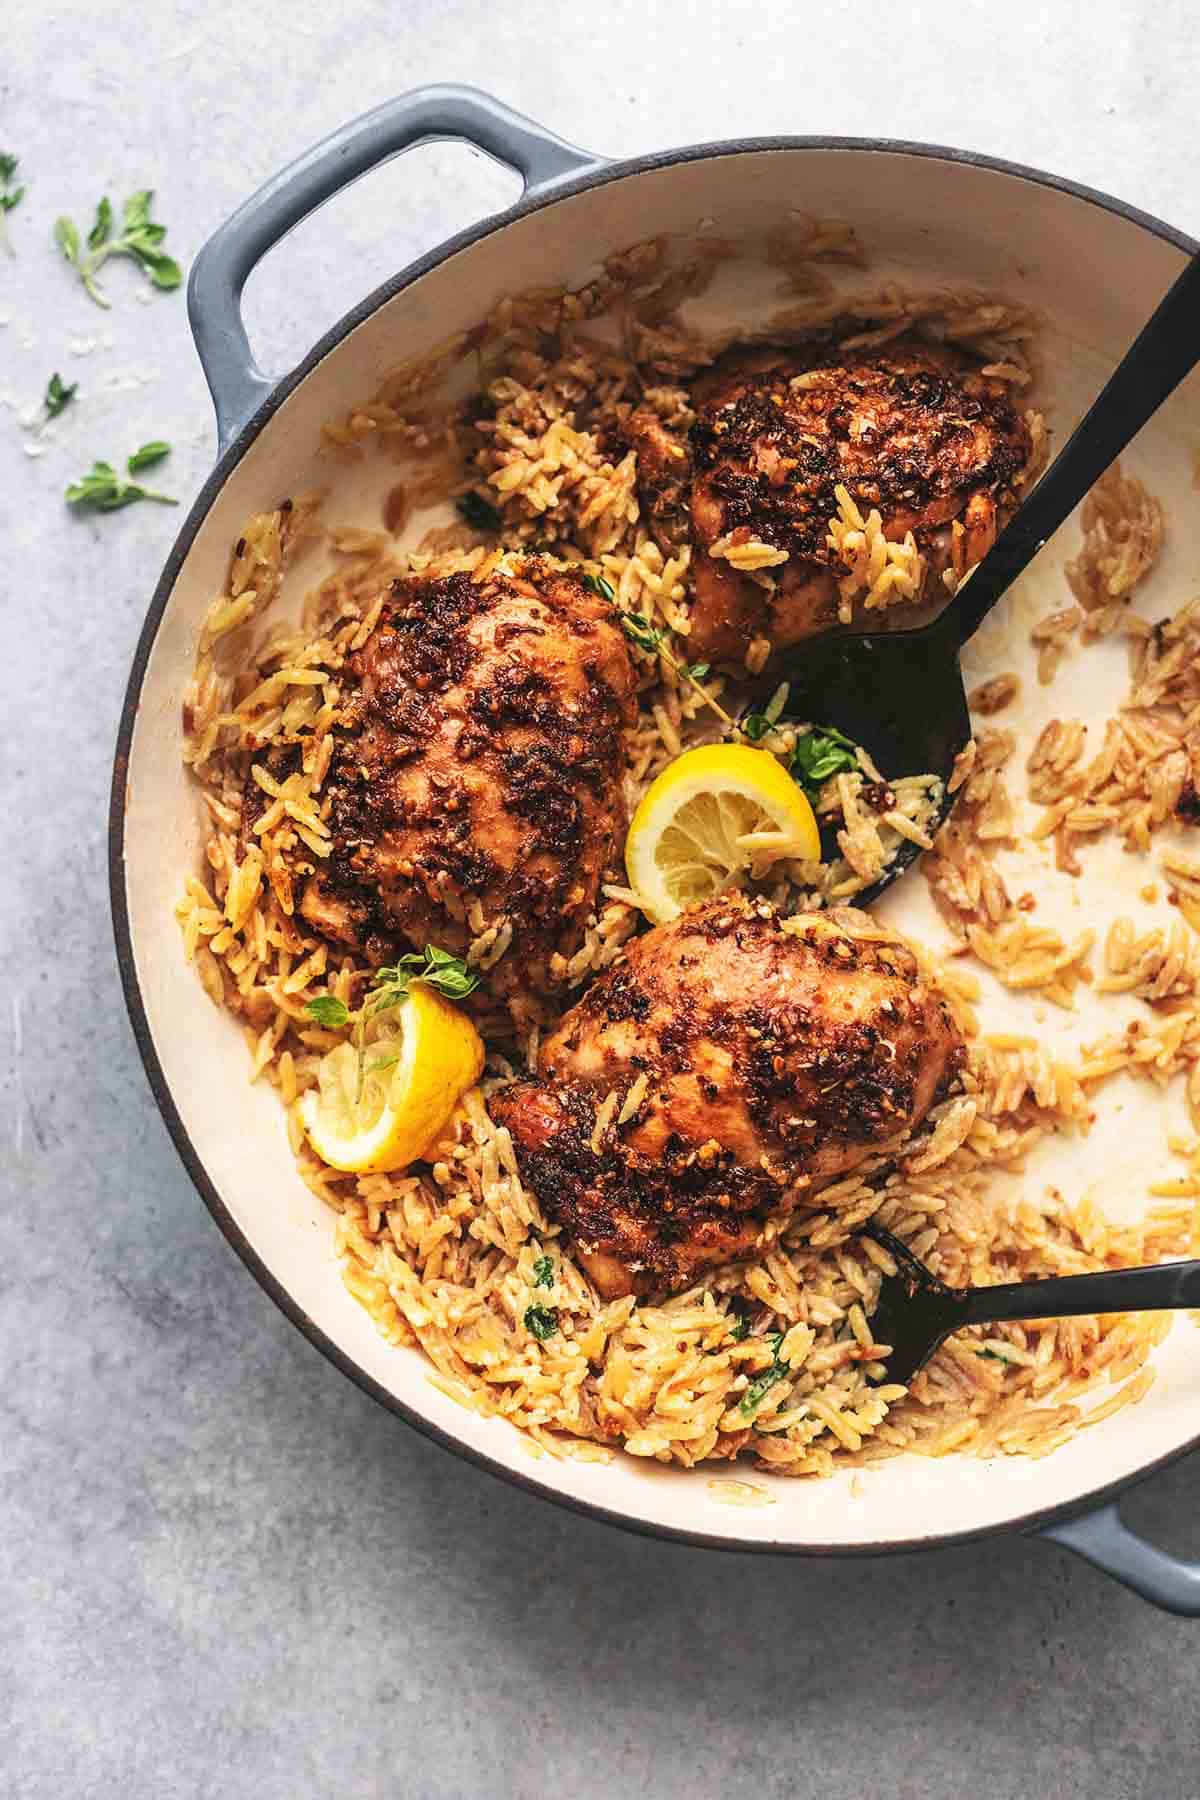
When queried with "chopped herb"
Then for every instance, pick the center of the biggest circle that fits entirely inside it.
(59, 396)
(995, 1356)
(819, 754)
(542, 1321)
(448, 974)
(478, 512)
(696, 671)
(10, 196)
(762, 1384)
(104, 490)
(756, 725)
(328, 1010)
(600, 585)
(543, 1272)
(753, 1397)
(140, 238)
(740, 1328)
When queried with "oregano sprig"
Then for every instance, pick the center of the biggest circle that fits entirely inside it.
(104, 489)
(139, 238)
(449, 974)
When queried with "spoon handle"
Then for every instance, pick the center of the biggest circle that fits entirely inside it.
(1164, 353)
(1154, 1289)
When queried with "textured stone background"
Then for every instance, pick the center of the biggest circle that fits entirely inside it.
(223, 1572)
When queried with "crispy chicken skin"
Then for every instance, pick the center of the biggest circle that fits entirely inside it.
(911, 428)
(479, 760)
(778, 1055)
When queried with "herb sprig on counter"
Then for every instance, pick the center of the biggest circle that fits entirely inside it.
(104, 489)
(139, 238)
(10, 195)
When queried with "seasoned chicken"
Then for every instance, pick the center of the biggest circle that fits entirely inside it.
(753, 1059)
(477, 777)
(914, 429)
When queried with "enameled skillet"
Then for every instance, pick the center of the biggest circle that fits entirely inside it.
(929, 216)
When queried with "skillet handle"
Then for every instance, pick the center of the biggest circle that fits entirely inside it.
(219, 273)
(1104, 1540)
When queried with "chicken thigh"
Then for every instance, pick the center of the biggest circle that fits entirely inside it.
(914, 429)
(753, 1058)
(477, 775)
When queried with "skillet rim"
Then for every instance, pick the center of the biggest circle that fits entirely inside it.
(566, 188)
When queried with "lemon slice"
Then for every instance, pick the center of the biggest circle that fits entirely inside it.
(382, 1107)
(712, 814)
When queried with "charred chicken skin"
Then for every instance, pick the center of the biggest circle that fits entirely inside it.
(477, 775)
(916, 430)
(777, 1055)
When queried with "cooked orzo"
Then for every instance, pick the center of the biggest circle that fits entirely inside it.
(559, 464)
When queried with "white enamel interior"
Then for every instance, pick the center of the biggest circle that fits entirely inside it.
(925, 221)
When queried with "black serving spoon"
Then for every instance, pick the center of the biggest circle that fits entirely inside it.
(900, 693)
(916, 1312)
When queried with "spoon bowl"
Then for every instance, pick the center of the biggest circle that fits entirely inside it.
(916, 1312)
(900, 694)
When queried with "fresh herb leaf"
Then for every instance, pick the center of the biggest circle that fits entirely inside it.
(542, 1321)
(140, 239)
(740, 1328)
(754, 1395)
(147, 456)
(58, 395)
(448, 974)
(10, 196)
(819, 754)
(641, 632)
(478, 512)
(102, 228)
(995, 1356)
(600, 585)
(543, 1272)
(328, 1010)
(137, 211)
(696, 671)
(756, 725)
(775, 1339)
(104, 490)
(66, 237)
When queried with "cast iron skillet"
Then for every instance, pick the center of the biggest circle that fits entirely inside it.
(245, 399)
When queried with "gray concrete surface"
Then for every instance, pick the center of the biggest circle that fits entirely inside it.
(223, 1572)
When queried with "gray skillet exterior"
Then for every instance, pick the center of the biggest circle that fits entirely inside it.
(245, 400)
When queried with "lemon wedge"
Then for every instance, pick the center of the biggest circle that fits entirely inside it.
(713, 813)
(381, 1106)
